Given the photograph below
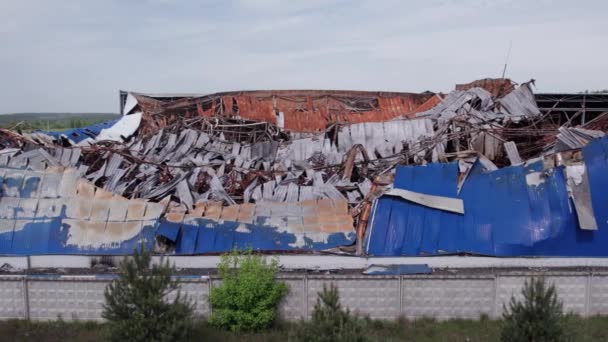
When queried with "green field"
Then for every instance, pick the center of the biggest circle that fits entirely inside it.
(52, 121)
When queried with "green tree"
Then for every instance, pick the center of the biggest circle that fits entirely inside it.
(538, 317)
(249, 294)
(330, 322)
(137, 307)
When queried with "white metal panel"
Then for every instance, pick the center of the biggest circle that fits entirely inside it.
(130, 103)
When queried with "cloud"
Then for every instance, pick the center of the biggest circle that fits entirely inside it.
(69, 55)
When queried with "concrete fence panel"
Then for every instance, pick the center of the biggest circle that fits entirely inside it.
(379, 297)
(13, 300)
(444, 298)
(370, 296)
(598, 295)
(68, 299)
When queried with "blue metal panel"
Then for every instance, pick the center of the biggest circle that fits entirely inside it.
(124, 247)
(79, 134)
(42, 236)
(204, 236)
(6, 237)
(578, 242)
(167, 229)
(186, 241)
(30, 187)
(12, 183)
(38, 211)
(34, 236)
(514, 211)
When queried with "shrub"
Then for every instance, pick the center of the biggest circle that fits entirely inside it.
(248, 297)
(330, 322)
(539, 317)
(136, 305)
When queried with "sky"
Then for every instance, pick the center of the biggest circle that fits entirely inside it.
(74, 56)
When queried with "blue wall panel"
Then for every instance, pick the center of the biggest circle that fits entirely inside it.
(205, 236)
(505, 213)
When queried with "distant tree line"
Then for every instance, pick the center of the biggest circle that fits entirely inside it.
(51, 122)
(602, 91)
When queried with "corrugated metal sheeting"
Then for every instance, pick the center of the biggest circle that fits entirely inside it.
(268, 226)
(303, 110)
(384, 138)
(477, 105)
(570, 138)
(202, 154)
(523, 210)
(56, 212)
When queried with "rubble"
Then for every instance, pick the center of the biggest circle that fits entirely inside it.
(246, 151)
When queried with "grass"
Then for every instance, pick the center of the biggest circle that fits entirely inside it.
(422, 330)
(52, 121)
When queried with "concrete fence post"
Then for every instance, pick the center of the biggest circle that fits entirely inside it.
(495, 310)
(26, 299)
(400, 295)
(209, 287)
(588, 294)
(306, 296)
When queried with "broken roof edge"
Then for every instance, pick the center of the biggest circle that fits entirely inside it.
(489, 84)
(123, 94)
(306, 92)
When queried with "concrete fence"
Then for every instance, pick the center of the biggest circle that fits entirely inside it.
(380, 297)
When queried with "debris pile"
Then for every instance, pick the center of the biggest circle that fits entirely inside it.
(248, 152)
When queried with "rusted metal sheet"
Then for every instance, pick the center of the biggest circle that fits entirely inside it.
(350, 160)
(498, 87)
(303, 110)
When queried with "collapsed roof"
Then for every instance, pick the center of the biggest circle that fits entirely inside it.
(278, 170)
(294, 110)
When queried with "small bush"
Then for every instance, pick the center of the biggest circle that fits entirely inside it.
(539, 317)
(136, 305)
(330, 322)
(248, 297)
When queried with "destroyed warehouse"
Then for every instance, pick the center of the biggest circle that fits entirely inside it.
(487, 169)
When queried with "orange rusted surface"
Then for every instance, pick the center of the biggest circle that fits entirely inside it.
(498, 87)
(303, 110)
(430, 103)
